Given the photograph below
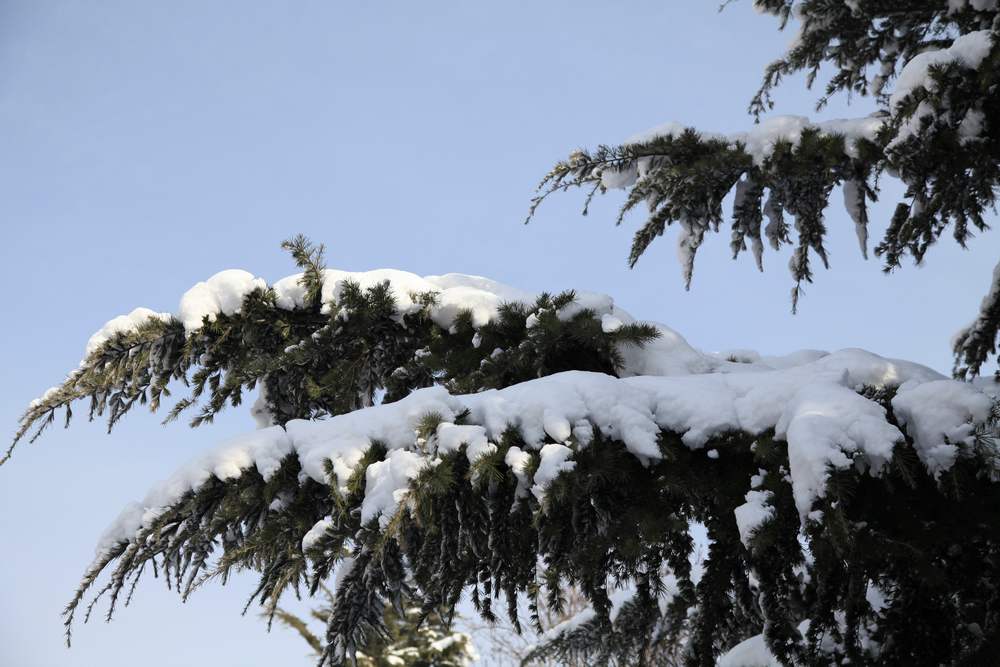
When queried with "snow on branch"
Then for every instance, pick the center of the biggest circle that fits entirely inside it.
(975, 343)
(815, 407)
(935, 131)
(388, 468)
(425, 438)
(682, 175)
(360, 334)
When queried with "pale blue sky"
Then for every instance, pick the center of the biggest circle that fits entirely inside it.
(145, 146)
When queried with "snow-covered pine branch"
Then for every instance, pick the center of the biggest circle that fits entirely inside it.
(936, 132)
(854, 492)
(332, 343)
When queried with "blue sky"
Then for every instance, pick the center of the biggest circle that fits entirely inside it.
(145, 146)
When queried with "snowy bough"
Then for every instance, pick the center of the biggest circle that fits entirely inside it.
(933, 68)
(421, 439)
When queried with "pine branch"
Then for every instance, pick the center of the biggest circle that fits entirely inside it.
(936, 133)
(611, 521)
(309, 258)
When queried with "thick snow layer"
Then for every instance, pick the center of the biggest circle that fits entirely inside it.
(517, 460)
(762, 139)
(826, 424)
(451, 437)
(222, 293)
(386, 482)
(759, 143)
(455, 292)
(969, 51)
(753, 651)
(119, 324)
(610, 323)
(122, 323)
(554, 460)
(852, 129)
(939, 416)
(809, 399)
(670, 354)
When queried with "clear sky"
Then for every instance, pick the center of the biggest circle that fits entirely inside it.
(145, 146)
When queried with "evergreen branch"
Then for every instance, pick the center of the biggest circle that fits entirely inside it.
(974, 344)
(128, 367)
(309, 258)
(313, 364)
(936, 134)
(610, 521)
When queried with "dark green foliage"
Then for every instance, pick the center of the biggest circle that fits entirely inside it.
(328, 358)
(309, 258)
(974, 344)
(861, 36)
(930, 547)
(131, 367)
(897, 567)
(943, 601)
(505, 351)
(927, 139)
(684, 179)
(315, 361)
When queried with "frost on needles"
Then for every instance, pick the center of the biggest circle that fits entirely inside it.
(933, 69)
(422, 439)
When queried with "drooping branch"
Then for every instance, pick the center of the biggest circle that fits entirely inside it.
(321, 344)
(975, 343)
(933, 69)
(593, 481)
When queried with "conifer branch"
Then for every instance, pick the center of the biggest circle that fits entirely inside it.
(936, 133)
(609, 522)
(309, 258)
